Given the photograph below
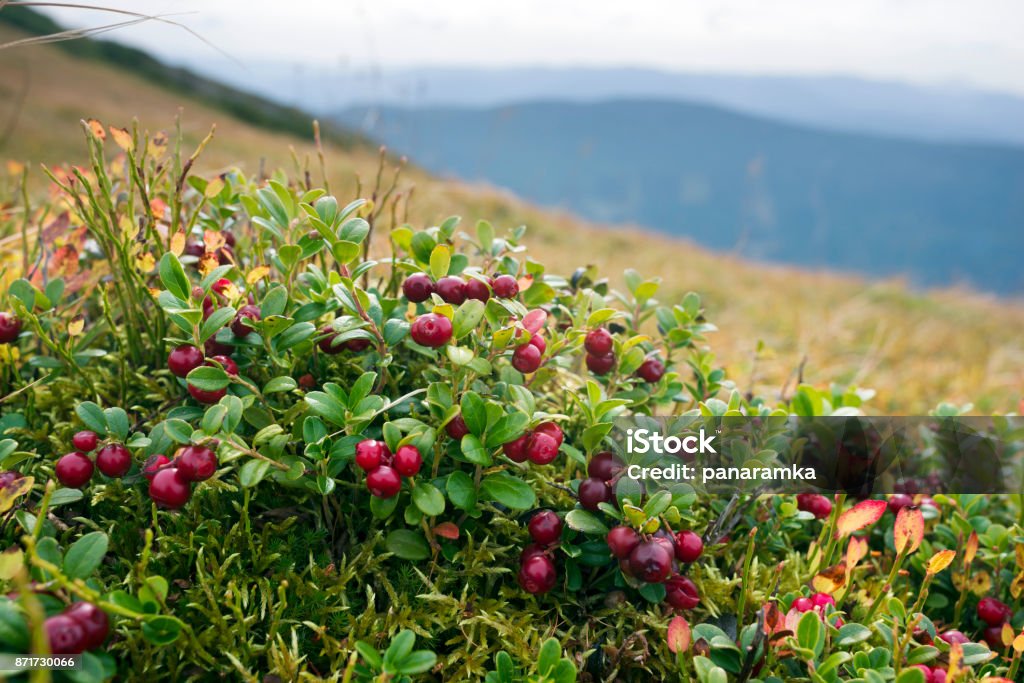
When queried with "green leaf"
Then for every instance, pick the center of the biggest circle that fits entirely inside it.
(92, 416)
(428, 499)
(117, 422)
(461, 490)
(85, 555)
(173, 277)
(440, 260)
(161, 630)
(326, 406)
(179, 430)
(408, 544)
(418, 662)
(217, 320)
(508, 490)
(851, 634)
(253, 472)
(400, 648)
(809, 632)
(911, 675)
(65, 496)
(213, 418)
(584, 521)
(467, 317)
(209, 378)
(474, 451)
(474, 412)
(13, 627)
(369, 654)
(550, 652)
(279, 384)
(508, 428)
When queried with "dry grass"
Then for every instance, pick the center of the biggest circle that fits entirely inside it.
(915, 349)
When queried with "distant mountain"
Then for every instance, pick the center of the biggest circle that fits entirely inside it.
(939, 213)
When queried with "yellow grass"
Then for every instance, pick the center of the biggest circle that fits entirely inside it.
(915, 349)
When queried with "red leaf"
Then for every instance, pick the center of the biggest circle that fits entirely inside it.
(678, 635)
(447, 530)
(535, 320)
(909, 530)
(864, 513)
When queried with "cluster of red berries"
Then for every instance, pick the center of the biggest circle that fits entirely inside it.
(10, 327)
(75, 469)
(652, 559)
(170, 481)
(994, 613)
(186, 358)
(539, 446)
(818, 603)
(225, 254)
(528, 357)
(600, 358)
(384, 471)
(597, 488)
(815, 503)
(81, 626)
(455, 290)
(537, 572)
(933, 674)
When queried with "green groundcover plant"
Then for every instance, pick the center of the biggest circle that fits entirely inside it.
(252, 431)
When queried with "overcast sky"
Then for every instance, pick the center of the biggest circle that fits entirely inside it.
(971, 42)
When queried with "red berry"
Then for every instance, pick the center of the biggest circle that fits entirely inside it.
(518, 450)
(221, 286)
(526, 358)
(953, 636)
(212, 347)
(85, 441)
(822, 600)
(689, 546)
(184, 359)
(803, 604)
(938, 675)
(73, 470)
(552, 430)
(594, 492)
(196, 463)
(10, 327)
(816, 504)
(154, 464)
(604, 466)
(8, 477)
(358, 344)
(600, 365)
(408, 461)
(418, 287)
(994, 637)
(66, 635)
(194, 247)
(476, 289)
(169, 489)
(537, 575)
(539, 342)
(898, 501)
(924, 670)
(505, 287)
(369, 454)
(598, 342)
(457, 428)
(993, 612)
(529, 551)
(384, 482)
(650, 561)
(307, 381)
(651, 370)
(93, 620)
(545, 527)
(681, 592)
(240, 326)
(114, 460)
(542, 449)
(452, 289)
(230, 366)
(621, 541)
(326, 342)
(431, 330)
(206, 396)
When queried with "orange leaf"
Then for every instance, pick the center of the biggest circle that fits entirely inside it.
(525, 282)
(830, 580)
(157, 145)
(940, 561)
(96, 128)
(207, 263)
(122, 138)
(909, 530)
(864, 513)
(213, 239)
(678, 635)
(15, 167)
(447, 530)
(971, 549)
(856, 550)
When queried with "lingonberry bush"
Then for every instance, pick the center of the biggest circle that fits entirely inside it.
(250, 429)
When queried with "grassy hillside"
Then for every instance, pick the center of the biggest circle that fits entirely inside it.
(914, 349)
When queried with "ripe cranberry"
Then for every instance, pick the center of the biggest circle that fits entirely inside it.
(240, 325)
(953, 636)
(357, 345)
(194, 247)
(604, 466)
(384, 482)
(598, 342)
(531, 550)
(230, 366)
(73, 470)
(505, 287)
(651, 370)
(994, 637)
(221, 286)
(457, 428)
(229, 237)
(689, 546)
(10, 327)
(517, 450)
(816, 504)
(326, 343)
(924, 669)
(169, 489)
(154, 464)
(526, 358)
(8, 477)
(85, 441)
(408, 461)
(600, 365)
(114, 460)
(552, 430)
(418, 287)
(594, 492)
(431, 330)
(93, 621)
(212, 347)
(993, 612)
(650, 561)
(538, 341)
(307, 381)
(205, 396)
(196, 463)
(184, 359)
(938, 675)
(537, 575)
(681, 592)
(370, 454)
(898, 501)
(476, 289)
(541, 449)
(803, 604)
(452, 289)
(545, 527)
(621, 541)
(66, 635)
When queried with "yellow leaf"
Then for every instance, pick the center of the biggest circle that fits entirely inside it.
(366, 209)
(864, 513)
(909, 530)
(956, 655)
(1017, 587)
(214, 187)
(157, 146)
(971, 549)
(1019, 555)
(213, 239)
(856, 550)
(76, 326)
(1018, 643)
(13, 491)
(11, 562)
(178, 243)
(256, 274)
(145, 262)
(1006, 635)
(678, 635)
(207, 263)
(122, 138)
(940, 561)
(830, 580)
(96, 128)
(130, 229)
